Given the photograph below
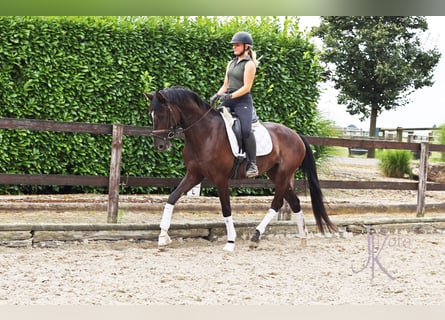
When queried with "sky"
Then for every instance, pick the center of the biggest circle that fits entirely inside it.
(427, 105)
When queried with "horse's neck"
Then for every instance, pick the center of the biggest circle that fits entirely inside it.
(198, 125)
(192, 118)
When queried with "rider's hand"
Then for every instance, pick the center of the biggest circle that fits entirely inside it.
(225, 97)
(213, 99)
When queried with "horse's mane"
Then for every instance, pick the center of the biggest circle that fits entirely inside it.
(179, 95)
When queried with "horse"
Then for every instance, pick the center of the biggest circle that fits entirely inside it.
(207, 154)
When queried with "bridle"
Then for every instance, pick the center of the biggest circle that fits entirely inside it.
(174, 129)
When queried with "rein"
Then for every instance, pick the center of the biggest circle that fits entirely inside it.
(174, 131)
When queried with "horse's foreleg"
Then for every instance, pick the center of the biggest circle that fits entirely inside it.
(164, 238)
(188, 182)
(231, 234)
(224, 198)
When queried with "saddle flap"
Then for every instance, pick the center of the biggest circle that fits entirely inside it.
(234, 123)
(227, 115)
(262, 136)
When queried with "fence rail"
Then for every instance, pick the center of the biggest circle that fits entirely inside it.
(115, 180)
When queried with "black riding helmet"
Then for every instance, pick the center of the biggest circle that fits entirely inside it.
(242, 37)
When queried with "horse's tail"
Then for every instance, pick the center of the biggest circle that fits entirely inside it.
(310, 170)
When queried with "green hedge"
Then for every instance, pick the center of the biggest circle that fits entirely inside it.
(94, 69)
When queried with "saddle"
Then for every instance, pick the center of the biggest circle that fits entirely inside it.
(233, 129)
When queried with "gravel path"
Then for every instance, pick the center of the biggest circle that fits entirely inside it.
(408, 266)
(198, 272)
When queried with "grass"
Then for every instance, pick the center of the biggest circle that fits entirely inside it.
(120, 215)
(338, 152)
(343, 152)
(437, 157)
(395, 163)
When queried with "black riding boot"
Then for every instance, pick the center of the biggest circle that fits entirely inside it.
(250, 146)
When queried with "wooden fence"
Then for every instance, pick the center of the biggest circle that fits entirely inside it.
(114, 180)
(410, 133)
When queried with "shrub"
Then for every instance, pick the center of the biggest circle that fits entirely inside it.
(442, 138)
(325, 128)
(94, 69)
(395, 163)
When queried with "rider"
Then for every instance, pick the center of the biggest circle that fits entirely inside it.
(235, 93)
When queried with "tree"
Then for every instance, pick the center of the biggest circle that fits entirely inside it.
(375, 62)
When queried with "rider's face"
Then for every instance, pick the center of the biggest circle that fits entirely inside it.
(238, 48)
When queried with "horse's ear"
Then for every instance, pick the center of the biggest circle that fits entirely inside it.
(148, 96)
(160, 97)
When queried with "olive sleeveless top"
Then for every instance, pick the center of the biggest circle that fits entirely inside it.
(235, 74)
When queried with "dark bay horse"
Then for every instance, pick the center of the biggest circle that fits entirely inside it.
(207, 154)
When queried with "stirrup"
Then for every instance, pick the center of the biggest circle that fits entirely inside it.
(252, 170)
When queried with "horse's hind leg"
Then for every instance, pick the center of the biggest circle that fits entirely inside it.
(255, 239)
(288, 193)
(277, 203)
(294, 203)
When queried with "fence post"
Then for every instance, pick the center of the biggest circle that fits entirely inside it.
(423, 175)
(115, 173)
(399, 131)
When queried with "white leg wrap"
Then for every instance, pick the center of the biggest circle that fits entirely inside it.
(268, 218)
(299, 217)
(167, 216)
(231, 233)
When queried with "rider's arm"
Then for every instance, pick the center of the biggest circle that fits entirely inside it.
(223, 89)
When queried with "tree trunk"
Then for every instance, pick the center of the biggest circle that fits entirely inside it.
(372, 128)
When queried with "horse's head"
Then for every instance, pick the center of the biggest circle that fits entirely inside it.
(165, 117)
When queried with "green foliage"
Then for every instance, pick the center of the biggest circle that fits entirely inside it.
(376, 62)
(325, 129)
(442, 138)
(442, 134)
(395, 163)
(95, 69)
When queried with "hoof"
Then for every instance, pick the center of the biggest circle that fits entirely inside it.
(253, 245)
(229, 247)
(303, 242)
(164, 240)
(255, 240)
